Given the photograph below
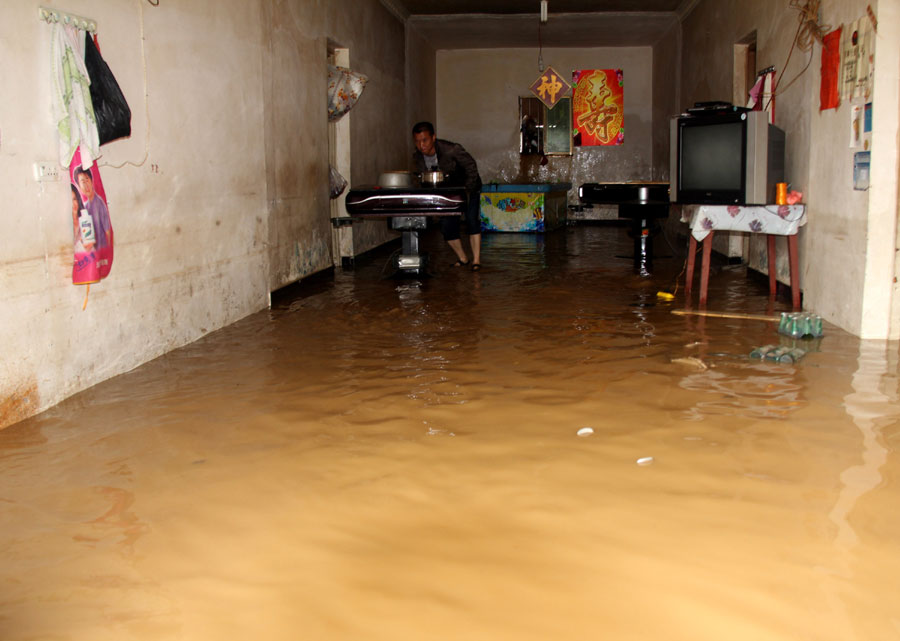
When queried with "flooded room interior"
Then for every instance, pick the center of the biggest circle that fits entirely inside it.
(635, 377)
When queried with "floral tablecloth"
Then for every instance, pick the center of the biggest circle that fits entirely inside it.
(783, 220)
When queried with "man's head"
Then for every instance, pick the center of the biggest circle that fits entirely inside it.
(85, 183)
(423, 135)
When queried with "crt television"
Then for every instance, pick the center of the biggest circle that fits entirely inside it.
(725, 158)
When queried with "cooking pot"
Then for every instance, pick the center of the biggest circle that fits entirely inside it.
(397, 179)
(432, 177)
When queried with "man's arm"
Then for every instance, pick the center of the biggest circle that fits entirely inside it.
(418, 162)
(464, 159)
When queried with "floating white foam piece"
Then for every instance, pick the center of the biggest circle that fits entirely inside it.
(645, 460)
(585, 431)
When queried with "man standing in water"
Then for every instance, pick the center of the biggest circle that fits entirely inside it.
(434, 154)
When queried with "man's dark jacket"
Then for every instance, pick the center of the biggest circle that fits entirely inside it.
(454, 161)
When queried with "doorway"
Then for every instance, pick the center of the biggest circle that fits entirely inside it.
(743, 81)
(339, 158)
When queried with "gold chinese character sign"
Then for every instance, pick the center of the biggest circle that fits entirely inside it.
(598, 107)
(550, 87)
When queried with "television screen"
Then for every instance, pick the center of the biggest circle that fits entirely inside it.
(712, 157)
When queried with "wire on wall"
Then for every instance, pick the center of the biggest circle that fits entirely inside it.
(809, 31)
(540, 60)
(146, 98)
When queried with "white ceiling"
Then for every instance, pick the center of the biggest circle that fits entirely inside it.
(477, 24)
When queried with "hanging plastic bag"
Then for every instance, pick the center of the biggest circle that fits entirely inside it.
(344, 89)
(111, 110)
(338, 182)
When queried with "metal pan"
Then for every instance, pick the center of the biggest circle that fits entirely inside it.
(397, 179)
(432, 178)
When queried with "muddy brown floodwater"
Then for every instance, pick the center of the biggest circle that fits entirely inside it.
(393, 460)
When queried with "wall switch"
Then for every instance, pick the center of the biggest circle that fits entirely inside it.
(46, 172)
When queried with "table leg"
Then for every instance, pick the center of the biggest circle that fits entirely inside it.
(689, 275)
(704, 271)
(770, 247)
(795, 272)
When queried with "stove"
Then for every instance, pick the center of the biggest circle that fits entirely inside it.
(406, 209)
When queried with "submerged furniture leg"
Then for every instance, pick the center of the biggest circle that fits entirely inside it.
(643, 249)
(704, 272)
(795, 272)
(410, 242)
(646, 245)
(770, 248)
(689, 274)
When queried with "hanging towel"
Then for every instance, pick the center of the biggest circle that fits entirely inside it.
(72, 107)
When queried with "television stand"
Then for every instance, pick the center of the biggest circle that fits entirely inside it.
(772, 220)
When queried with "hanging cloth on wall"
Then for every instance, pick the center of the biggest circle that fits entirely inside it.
(829, 85)
(344, 90)
(762, 97)
(111, 110)
(71, 99)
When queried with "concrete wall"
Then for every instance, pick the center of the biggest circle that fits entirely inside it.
(477, 106)
(421, 75)
(219, 196)
(666, 96)
(376, 40)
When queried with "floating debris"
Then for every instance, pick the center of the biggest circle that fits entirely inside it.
(781, 354)
(433, 431)
(693, 361)
(585, 431)
(645, 460)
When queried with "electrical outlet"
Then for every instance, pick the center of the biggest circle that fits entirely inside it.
(45, 172)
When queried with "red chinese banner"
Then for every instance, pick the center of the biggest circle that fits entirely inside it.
(829, 90)
(550, 87)
(598, 107)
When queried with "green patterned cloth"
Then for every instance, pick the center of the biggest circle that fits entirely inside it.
(72, 107)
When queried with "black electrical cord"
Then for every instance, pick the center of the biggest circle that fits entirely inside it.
(389, 261)
(540, 49)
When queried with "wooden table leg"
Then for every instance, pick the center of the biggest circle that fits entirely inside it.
(795, 272)
(689, 275)
(704, 271)
(770, 247)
